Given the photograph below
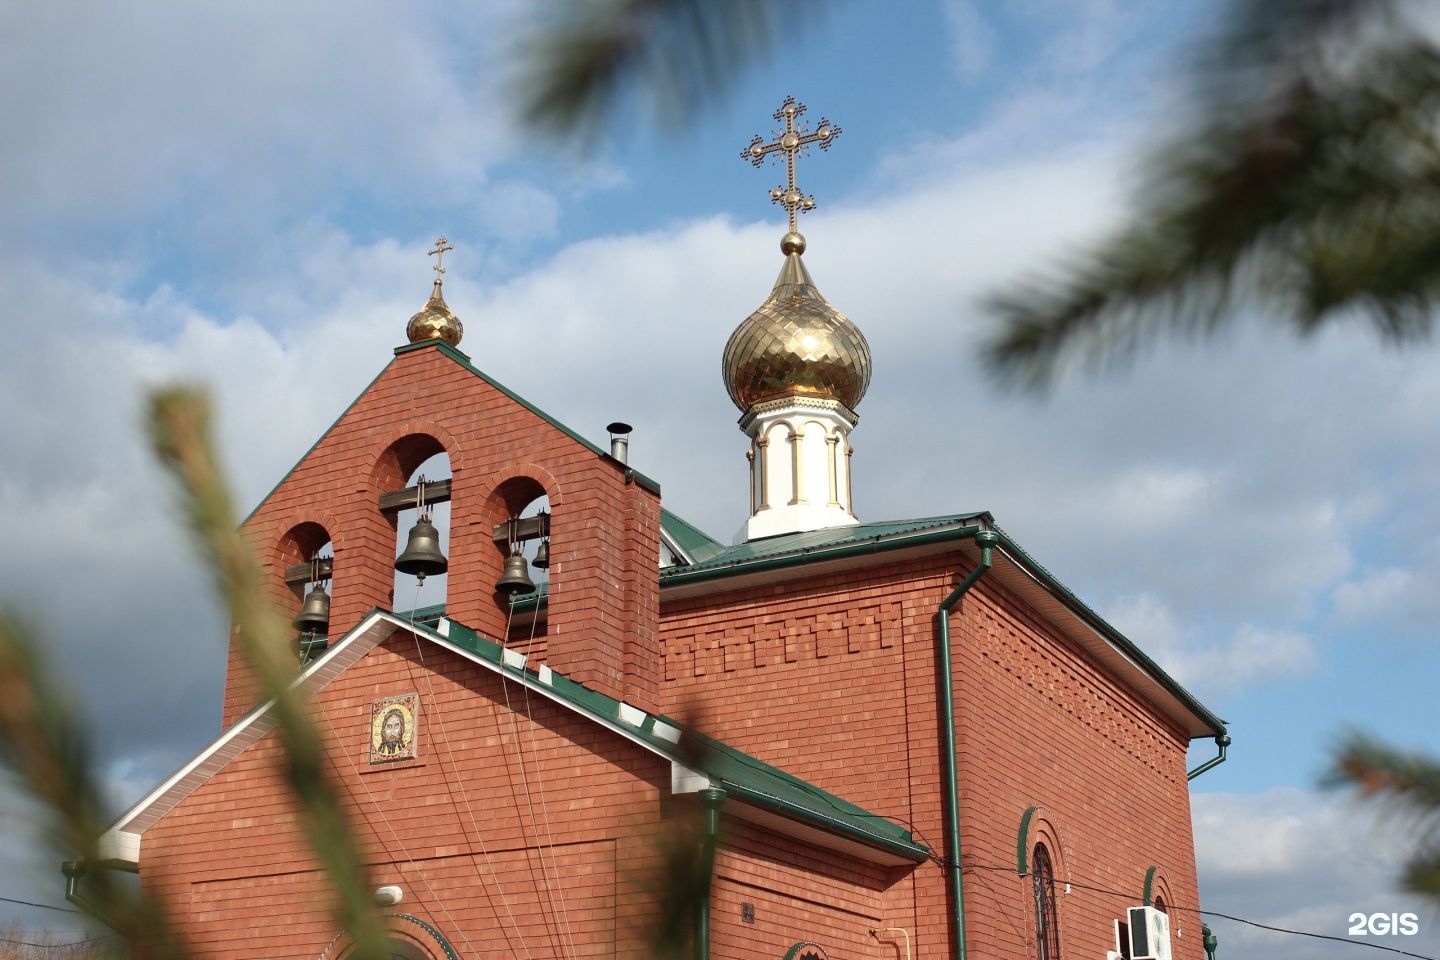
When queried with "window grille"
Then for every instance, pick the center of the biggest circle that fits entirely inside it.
(1047, 928)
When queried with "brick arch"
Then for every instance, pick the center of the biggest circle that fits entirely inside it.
(296, 539)
(508, 486)
(1157, 885)
(407, 446)
(1040, 825)
(479, 502)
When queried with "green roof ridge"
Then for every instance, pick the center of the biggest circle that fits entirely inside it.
(696, 542)
(464, 360)
(1126, 644)
(318, 440)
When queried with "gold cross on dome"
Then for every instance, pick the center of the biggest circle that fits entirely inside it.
(792, 142)
(439, 254)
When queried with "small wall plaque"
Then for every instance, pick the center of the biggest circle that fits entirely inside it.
(392, 728)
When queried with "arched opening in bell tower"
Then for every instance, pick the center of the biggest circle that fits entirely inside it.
(416, 472)
(306, 563)
(523, 590)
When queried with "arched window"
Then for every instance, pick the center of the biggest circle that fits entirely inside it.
(1159, 904)
(1047, 926)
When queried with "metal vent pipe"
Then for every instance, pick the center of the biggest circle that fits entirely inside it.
(620, 441)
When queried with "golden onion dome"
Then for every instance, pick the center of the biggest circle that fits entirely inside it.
(435, 321)
(796, 344)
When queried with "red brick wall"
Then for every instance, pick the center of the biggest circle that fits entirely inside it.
(799, 893)
(231, 864)
(605, 536)
(833, 679)
(465, 821)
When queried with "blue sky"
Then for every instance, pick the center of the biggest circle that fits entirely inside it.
(245, 195)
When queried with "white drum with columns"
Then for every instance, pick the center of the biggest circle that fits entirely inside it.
(799, 466)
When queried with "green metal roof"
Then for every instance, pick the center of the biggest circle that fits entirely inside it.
(742, 776)
(463, 359)
(815, 545)
(694, 541)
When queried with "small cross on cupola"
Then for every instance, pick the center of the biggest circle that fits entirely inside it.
(438, 253)
(436, 321)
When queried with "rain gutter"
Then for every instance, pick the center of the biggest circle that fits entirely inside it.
(1222, 742)
(875, 544)
(74, 870)
(987, 540)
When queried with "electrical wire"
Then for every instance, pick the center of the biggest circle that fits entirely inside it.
(933, 858)
(439, 901)
(544, 809)
(1210, 913)
(525, 780)
(42, 906)
(59, 946)
(460, 783)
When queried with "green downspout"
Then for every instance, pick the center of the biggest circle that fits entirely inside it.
(987, 540)
(74, 870)
(1210, 941)
(711, 798)
(1222, 742)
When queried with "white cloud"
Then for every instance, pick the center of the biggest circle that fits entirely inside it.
(1247, 657)
(1377, 594)
(1295, 859)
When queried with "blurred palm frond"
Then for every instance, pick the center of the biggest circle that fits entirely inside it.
(1308, 185)
(584, 57)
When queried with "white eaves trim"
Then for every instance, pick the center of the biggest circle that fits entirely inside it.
(122, 841)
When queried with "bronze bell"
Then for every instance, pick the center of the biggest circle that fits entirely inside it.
(422, 556)
(542, 555)
(516, 578)
(314, 615)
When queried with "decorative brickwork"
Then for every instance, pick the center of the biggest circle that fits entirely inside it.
(520, 828)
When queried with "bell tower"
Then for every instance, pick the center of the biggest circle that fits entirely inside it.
(601, 530)
(797, 368)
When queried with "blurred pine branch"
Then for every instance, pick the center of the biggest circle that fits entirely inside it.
(179, 427)
(1407, 786)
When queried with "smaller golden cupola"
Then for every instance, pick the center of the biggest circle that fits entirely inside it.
(797, 368)
(436, 321)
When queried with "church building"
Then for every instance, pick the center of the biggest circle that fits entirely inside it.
(905, 738)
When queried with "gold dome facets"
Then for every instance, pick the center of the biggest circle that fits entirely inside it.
(796, 344)
(435, 321)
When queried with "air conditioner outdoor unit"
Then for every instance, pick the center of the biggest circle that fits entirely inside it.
(1122, 942)
(1149, 934)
